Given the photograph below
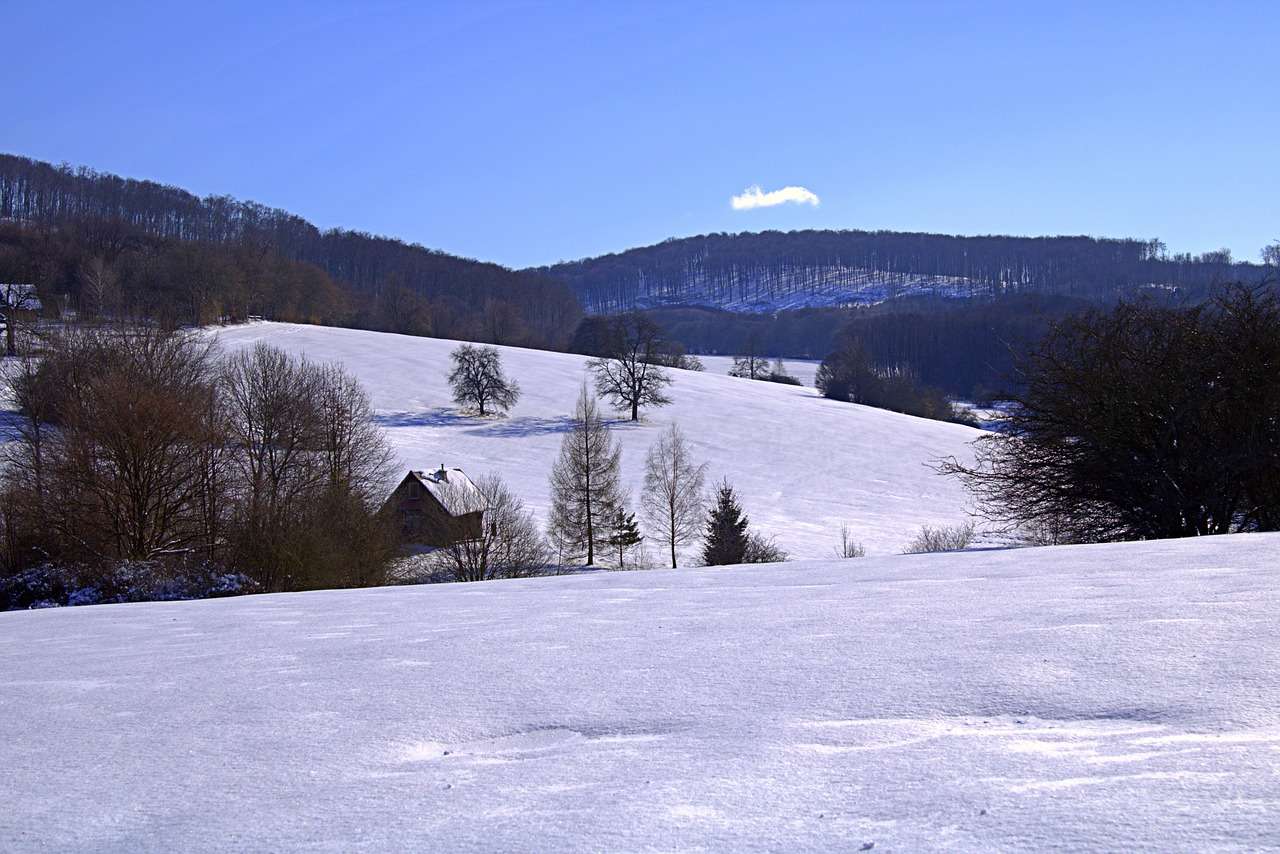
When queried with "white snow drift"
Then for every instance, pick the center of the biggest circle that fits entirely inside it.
(1077, 698)
(802, 465)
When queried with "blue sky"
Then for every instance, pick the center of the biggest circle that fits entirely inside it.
(526, 132)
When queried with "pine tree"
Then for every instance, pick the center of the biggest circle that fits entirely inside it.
(624, 534)
(584, 484)
(726, 539)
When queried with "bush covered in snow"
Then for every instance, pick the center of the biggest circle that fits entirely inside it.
(50, 586)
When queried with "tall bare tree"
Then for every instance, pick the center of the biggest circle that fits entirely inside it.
(357, 457)
(584, 483)
(631, 376)
(672, 501)
(477, 379)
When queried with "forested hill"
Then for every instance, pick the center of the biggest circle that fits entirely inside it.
(774, 270)
(72, 229)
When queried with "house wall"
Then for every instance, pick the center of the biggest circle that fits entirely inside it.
(424, 522)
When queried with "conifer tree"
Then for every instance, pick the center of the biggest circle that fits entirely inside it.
(624, 534)
(726, 539)
(584, 484)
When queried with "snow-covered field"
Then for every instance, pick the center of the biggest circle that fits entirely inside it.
(1113, 697)
(804, 370)
(802, 465)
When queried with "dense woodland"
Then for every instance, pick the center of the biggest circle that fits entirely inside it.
(99, 243)
(771, 266)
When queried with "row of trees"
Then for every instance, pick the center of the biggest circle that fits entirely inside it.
(848, 374)
(138, 445)
(589, 516)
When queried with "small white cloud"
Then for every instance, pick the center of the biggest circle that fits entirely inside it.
(754, 197)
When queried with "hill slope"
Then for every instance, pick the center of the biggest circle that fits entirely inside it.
(119, 226)
(803, 465)
(771, 270)
(1113, 697)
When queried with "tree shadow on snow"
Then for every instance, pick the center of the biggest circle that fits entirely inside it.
(490, 427)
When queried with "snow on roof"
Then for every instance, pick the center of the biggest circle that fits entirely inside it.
(20, 296)
(453, 489)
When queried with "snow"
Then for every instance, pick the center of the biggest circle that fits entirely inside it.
(1111, 697)
(455, 492)
(802, 465)
(805, 370)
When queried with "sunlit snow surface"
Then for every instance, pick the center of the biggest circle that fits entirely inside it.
(1094, 697)
(802, 465)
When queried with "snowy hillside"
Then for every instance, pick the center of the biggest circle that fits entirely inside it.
(802, 465)
(1113, 697)
(805, 370)
(770, 292)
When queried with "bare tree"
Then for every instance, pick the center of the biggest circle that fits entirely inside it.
(271, 402)
(509, 546)
(1141, 422)
(584, 484)
(672, 501)
(1271, 254)
(751, 365)
(117, 475)
(944, 538)
(97, 286)
(630, 376)
(15, 300)
(357, 457)
(849, 547)
(477, 379)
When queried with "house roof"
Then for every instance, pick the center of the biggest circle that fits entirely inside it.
(453, 489)
(21, 296)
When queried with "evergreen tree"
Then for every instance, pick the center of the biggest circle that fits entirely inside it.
(726, 539)
(624, 534)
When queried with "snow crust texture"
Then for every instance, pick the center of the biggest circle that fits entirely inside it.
(1113, 697)
(802, 465)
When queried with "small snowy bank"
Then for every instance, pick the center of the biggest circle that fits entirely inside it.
(1116, 696)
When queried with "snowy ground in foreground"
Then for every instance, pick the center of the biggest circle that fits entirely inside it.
(1084, 697)
(802, 465)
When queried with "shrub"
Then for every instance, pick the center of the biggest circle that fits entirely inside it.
(944, 538)
(849, 547)
(761, 549)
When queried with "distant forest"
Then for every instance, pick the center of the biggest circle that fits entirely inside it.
(96, 242)
(98, 245)
(964, 347)
(773, 266)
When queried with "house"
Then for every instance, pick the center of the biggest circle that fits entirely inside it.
(437, 508)
(19, 303)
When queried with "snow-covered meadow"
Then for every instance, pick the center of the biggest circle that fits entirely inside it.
(1114, 697)
(803, 465)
